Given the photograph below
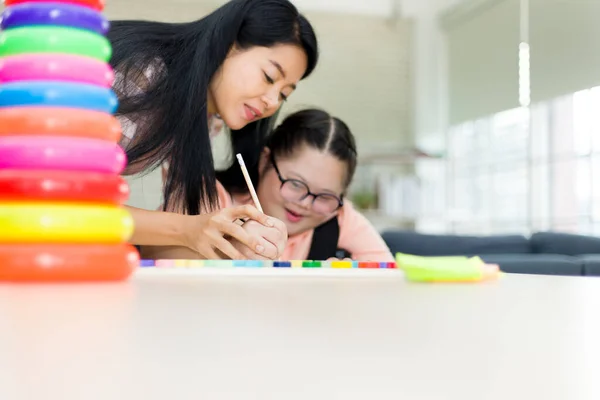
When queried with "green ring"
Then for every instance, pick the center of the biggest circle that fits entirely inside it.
(43, 39)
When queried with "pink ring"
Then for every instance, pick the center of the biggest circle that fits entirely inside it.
(61, 153)
(56, 67)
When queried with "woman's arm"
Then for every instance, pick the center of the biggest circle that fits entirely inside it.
(276, 237)
(170, 253)
(206, 234)
(158, 228)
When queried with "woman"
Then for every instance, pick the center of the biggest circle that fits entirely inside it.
(302, 177)
(238, 64)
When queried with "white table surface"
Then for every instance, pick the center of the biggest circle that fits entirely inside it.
(201, 337)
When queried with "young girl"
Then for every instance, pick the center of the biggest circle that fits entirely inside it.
(237, 64)
(302, 177)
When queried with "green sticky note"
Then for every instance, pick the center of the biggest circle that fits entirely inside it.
(440, 269)
(477, 259)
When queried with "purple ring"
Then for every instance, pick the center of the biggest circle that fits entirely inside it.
(58, 14)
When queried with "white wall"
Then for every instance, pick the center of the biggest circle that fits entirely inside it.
(483, 60)
(429, 68)
(383, 8)
(363, 77)
(430, 105)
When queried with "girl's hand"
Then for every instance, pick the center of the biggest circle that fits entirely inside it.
(214, 232)
(276, 236)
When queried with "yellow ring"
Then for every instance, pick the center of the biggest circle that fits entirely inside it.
(64, 223)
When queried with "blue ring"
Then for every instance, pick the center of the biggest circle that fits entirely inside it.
(58, 94)
(58, 14)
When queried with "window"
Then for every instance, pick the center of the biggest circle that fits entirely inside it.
(528, 169)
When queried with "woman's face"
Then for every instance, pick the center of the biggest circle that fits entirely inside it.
(252, 84)
(320, 172)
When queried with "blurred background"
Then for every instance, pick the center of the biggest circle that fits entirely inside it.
(472, 116)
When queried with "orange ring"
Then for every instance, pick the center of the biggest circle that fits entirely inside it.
(59, 121)
(67, 262)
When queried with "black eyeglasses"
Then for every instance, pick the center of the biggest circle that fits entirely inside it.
(296, 190)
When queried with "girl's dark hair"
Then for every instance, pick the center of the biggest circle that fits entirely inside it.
(189, 54)
(311, 127)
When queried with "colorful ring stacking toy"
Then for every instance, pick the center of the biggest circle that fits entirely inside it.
(61, 94)
(61, 153)
(58, 14)
(59, 121)
(51, 39)
(59, 67)
(62, 186)
(95, 4)
(63, 223)
(67, 262)
(61, 196)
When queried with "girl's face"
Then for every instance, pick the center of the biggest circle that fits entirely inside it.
(308, 169)
(252, 84)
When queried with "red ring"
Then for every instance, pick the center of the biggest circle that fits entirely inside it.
(67, 262)
(76, 186)
(94, 4)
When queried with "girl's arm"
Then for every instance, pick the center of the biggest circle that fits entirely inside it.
(360, 238)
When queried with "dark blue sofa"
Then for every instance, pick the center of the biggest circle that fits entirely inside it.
(546, 253)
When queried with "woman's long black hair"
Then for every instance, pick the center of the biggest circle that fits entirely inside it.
(311, 127)
(176, 101)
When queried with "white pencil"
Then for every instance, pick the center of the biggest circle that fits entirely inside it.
(249, 182)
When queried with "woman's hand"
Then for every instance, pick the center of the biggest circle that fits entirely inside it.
(276, 236)
(217, 232)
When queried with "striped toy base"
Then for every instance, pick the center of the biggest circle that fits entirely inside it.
(306, 268)
(270, 272)
(268, 264)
